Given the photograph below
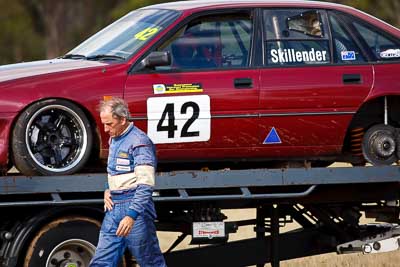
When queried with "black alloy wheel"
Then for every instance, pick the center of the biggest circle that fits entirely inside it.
(51, 137)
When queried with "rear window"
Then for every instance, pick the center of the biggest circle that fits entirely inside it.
(384, 46)
(345, 48)
(296, 37)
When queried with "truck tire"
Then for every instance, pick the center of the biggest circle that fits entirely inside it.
(51, 137)
(68, 241)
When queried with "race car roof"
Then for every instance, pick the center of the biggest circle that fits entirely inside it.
(201, 4)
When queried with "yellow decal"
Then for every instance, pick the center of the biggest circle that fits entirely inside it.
(177, 88)
(146, 34)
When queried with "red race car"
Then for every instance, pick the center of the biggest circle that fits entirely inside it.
(214, 81)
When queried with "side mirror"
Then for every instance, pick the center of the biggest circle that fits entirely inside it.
(155, 59)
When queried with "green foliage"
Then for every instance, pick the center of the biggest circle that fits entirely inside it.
(18, 40)
(129, 5)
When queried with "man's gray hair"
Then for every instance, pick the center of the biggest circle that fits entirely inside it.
(119, 108)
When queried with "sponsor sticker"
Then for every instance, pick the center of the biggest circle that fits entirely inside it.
(348, 55)
(123, 168)
(159, 89)
(123, 161)
(390, 53)
(177, 88)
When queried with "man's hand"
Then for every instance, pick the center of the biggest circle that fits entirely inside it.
(108, 203)
(125, 226)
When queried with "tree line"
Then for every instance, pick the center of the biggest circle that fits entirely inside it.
(40, 29)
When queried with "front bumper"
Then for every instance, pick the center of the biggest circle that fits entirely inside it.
(6, 120)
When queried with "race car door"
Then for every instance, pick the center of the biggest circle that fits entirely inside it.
(311, 85)
(207, 99)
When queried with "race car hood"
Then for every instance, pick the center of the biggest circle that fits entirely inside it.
(29, 69)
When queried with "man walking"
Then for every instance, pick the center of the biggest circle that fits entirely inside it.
(128, 203)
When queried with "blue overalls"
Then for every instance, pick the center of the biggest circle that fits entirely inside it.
(133, 148)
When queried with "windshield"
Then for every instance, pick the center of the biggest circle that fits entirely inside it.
(124, 37)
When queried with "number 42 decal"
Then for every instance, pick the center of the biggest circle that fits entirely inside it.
(179, 119)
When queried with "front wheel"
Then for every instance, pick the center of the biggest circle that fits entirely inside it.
(68, 241)
(379, 145)
(51, 137)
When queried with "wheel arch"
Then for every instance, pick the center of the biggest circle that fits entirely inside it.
(370, 113)
(25, 232)
(95, 132)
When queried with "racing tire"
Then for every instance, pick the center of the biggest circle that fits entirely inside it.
(67, 241)
(379, 145)
(51, 137)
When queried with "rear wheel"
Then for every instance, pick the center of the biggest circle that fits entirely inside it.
(379, 145)
(51, 137)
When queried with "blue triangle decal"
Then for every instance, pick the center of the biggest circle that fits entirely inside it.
(272, 138)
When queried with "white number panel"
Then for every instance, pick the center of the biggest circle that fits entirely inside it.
(179, 119)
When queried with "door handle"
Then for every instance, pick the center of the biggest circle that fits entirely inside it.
(243, 83)
(352, 79)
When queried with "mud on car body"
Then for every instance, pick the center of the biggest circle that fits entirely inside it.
(214, 81)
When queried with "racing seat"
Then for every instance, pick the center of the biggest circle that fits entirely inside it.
(197, 50)
(182, 53)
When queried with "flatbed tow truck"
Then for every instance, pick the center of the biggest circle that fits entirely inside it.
(54, 221)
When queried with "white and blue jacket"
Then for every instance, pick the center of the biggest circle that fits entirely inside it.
(131, 167)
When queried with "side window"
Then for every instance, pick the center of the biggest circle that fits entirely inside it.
(382, 45)
(211, 42)
(345, 49)
(296, 37)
